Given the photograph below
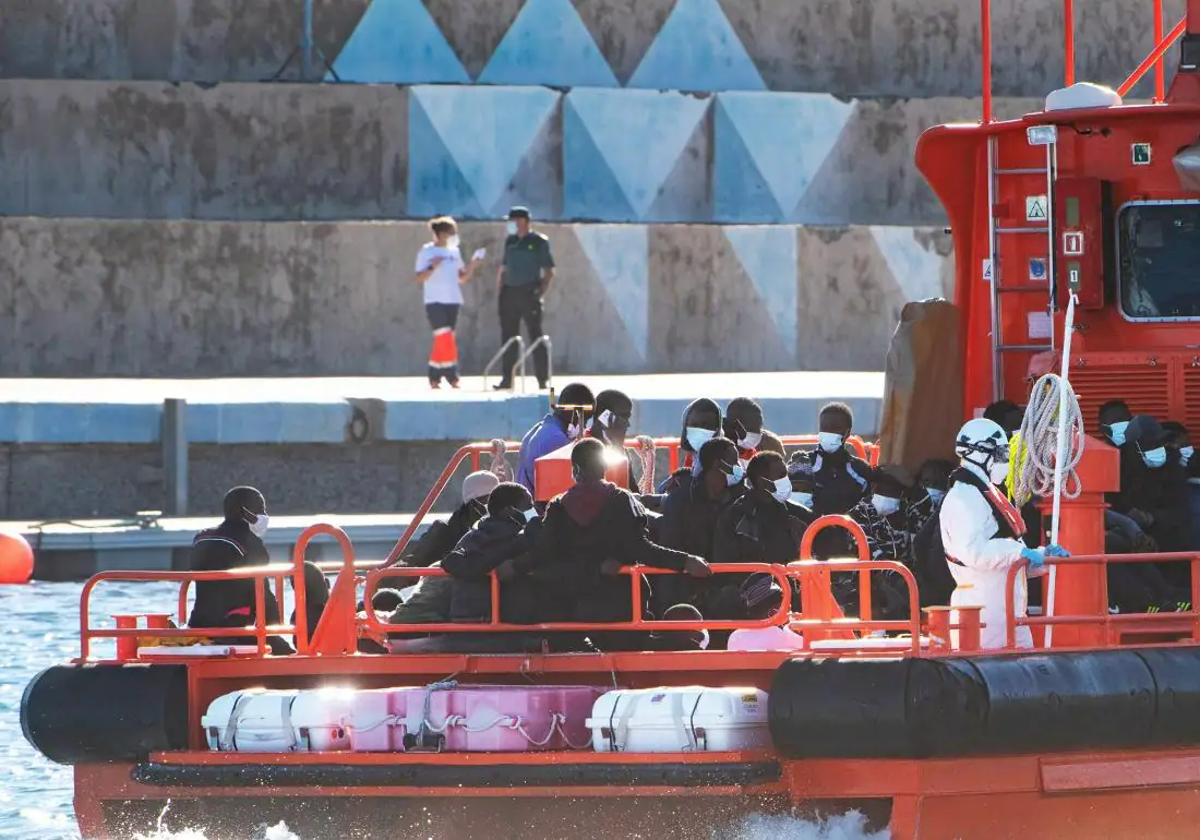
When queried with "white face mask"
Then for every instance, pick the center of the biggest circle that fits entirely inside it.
(750, 441)
(830, 442)
(885, 505)
(802, 499)
(997, 472)
(531, 514)
(696, 437)
(511, 227)
(259, 526)
(453, 241)
(1185, 455)
(783, 489)
(574, 430)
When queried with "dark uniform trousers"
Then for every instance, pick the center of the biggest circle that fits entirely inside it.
(519, 303)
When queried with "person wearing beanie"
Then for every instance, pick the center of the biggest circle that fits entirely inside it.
(233, 544)
(701, 423)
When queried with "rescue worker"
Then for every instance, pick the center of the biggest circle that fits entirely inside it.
(235, 543)
(524, 277)
(441, 271)
(981, 531)
(588, 534)
(565, 423)
(743, 425)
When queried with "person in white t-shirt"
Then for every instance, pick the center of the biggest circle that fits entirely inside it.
(441, 269)
(762, 597)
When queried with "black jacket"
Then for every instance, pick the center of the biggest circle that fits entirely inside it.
(1161, 493)
(689, 515)
(491, 542)
(758, 529)
(584, 527)
(437, 541)
(840, 481)
(230, 545)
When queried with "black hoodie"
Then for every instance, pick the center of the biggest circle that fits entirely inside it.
(589, 524)
(492, 541)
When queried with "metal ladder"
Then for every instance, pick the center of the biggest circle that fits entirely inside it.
(999, 289)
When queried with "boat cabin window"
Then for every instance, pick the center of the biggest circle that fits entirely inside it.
(1159, 253)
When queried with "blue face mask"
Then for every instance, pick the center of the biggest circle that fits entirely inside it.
(1116, 432)
(1185, 454)
(735, 478)
(1155, 458)
(935, 494)
(802, 498)
(696, 438)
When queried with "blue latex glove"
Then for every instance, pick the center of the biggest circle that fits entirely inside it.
(1036, 558)
(1057, 551)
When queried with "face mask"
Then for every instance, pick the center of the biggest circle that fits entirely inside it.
(885, 505)
(802, 499)
(1155, 458)
(783, 489)
(735, 478)
(531, 514)
(935, 494)
(1116, 431)
(511, 227)
(574, 430)
(1185, 455)
(453, 241)
(750, 441)
(997, 472)
(830, 442)
(259, 526)
(696, 438)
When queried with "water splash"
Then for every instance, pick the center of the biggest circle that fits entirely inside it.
(851, 825)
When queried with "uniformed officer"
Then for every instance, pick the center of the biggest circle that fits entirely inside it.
(524, 277)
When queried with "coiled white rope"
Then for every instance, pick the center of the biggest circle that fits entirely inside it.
(1038, 447)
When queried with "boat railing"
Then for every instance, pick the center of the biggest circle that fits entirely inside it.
(499, 449)
(1109, 624)
(1155, 59)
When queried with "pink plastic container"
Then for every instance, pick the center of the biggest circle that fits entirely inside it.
(472, 718)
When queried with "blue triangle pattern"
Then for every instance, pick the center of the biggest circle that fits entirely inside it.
(740, 192)
(640, 161)
(788, 136)
(548, 45)
(697, 50)
(620, 256)
(398, 42)
(487, 130)
(590, 189)
(435, 183)
(768, 255)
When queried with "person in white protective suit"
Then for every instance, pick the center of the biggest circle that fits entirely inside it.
(981, 534)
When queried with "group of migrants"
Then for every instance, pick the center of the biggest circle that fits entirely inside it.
(737, 497)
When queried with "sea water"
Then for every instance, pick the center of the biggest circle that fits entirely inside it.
(39, 626)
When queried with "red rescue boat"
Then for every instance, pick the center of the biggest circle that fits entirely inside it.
(1097, 735)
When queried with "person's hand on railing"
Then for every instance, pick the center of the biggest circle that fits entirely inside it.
(1057, 551)
(697, 567)
(1036, 558)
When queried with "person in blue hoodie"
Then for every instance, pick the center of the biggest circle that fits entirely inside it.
(507, 532)
(566, 422)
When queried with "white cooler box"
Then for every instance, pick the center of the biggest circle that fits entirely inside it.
(258, 720)
(680, 719)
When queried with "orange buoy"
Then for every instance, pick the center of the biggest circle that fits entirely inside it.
(16, 559)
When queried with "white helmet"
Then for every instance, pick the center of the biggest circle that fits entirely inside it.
(982, 437)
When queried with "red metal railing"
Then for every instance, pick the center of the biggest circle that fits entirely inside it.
(1155, 59)
(1109, 623)
(869, 452)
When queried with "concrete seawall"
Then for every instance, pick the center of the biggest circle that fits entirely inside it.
(195, 299)
(857, 47)
(322, 152)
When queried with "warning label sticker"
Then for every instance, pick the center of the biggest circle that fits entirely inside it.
(987, 270)
(1036, 208)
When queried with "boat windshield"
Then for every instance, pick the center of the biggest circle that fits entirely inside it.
(1159, 250)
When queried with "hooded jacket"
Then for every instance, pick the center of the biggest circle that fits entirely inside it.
(585, 526)
(1161, 493)
(689, 515)
(231, 545)
(492, 541)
